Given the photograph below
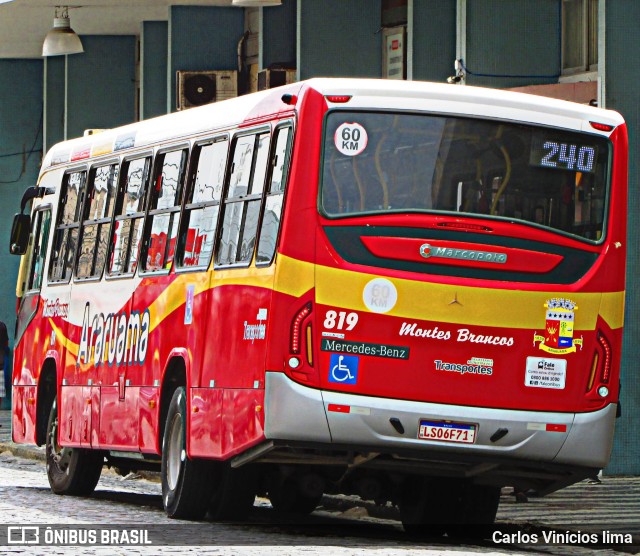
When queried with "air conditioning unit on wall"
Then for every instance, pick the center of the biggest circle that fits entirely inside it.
(270, 78)
(195, 88)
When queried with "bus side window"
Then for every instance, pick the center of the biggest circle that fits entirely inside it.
(241, 209)
(279, 169)
(67, 227)
(40, 240)
(96, 221)
(202, 204)
(127, 231)
(164, 210)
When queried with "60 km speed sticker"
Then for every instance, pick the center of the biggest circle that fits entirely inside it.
(351, 139)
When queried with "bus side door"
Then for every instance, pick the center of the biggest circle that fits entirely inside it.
(30, 343)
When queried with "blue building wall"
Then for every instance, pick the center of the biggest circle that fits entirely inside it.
(54, 76)
(20, 156)
(202, 38)
(154, 47)
(511, 43)
(340, 39)
(101, 84)
(279, 35)
(622, 95)
(434, 39)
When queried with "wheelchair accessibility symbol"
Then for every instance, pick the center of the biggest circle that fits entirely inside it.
(343, 368)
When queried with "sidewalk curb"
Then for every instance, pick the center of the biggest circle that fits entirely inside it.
(38, 454)
(27, 452)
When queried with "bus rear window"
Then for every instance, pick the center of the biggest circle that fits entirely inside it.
(390, 162)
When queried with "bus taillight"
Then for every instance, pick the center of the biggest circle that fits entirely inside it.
(606, 362)
(309, 345)
(465, 226)
(594, 368)
(296, 328)
(601, 127)
(338, 99)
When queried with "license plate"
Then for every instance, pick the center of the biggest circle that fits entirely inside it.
(447, 432)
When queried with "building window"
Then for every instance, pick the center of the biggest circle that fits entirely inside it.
(393, 13)
(393, 21)
(579, 36)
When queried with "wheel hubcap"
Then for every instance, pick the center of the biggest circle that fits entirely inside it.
(175, 454)
(59, 456)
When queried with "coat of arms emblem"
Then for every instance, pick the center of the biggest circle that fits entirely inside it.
(559, 327)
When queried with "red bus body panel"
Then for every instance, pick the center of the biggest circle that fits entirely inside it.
(416, 336)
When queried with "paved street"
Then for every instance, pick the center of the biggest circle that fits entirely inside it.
(337, 528)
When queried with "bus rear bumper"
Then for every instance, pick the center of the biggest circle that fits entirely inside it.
(298, 413)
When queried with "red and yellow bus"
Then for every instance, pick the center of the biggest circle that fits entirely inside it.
(410, 292)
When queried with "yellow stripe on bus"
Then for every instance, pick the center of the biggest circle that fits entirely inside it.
(444, 303)
(174, 296)
(457, 304)
(66, 342)
(612, 308)
(294, 277)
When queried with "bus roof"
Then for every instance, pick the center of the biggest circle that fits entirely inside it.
(243, 110)
(362, 94)
(457, 99)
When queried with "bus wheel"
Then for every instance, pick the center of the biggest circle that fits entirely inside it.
(287, 496)
(73, 471)
(477, 509)
(234, 492)
(427, 507)
(186, 483)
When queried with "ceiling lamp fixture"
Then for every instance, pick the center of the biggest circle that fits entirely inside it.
(62, 39)
(255, 3)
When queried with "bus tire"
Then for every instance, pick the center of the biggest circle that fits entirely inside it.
(234, 492)
(186, 483)
(286, 497)
(477, 509)
(427, 507)
(72, 471)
